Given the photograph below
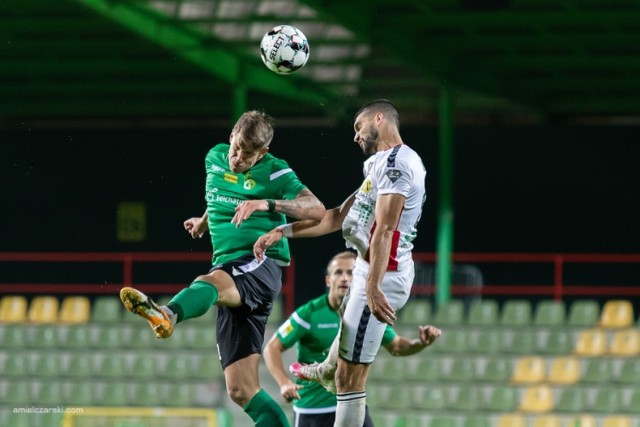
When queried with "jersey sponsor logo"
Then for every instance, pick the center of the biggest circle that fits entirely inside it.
(328, 325)
(224, 199)
(230, 178)
(249, 184)
(393, 175)
(366, 186)
(286, 328)
(210, 194)
(217, 168)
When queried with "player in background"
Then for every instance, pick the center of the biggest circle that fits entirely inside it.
(248, 192)
(313, 327)
(380, 221)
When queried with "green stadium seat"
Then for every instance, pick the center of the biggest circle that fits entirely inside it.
(180, 395)
(571, 399)
(178, 366)
(277, 313)
(14, 336)
(468, 398)
(106, 309)
(21, 420)
(496, 370)
(502, 398)
(461, 369)
(442, 421)
(113, 365)
(18, 393)
(449, 313)
(16, 364)
(633, 403)
(49, 393)
(407, 420)
(209, 368)
(584, 313)
(115, 394)
(607, 400)
(516, 313)
(415, 312)
(550, 313)
(426, 368)
(44, 337)
(142, 337)
(452, 341)
(80, 365)
(597, 370)
(429, 398)
(389, 396)
(483, 313)
(109, 338)
(48, 419)
(78, 336)
(486, 340)
(629, 371)
(519, 342)
(202, 338)
(475, 421)
(145, 365)
(208, 319)
(148, 394)
(48, 365)
(554, 342)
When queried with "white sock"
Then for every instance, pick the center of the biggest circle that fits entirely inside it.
(351, 409)
(329, 365)
(173, 318)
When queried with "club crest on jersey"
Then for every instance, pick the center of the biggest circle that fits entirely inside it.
(393, 175)
(249, 184)
(366, 186)
(230, 178)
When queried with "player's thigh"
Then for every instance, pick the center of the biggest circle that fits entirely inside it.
(242, 375)
(227, 290)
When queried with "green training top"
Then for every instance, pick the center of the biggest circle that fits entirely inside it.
(269, 178)
(314, 326)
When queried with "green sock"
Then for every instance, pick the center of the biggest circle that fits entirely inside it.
(265, 412)
(193, 301)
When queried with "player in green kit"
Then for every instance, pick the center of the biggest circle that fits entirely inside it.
(313, 327)
(248, 192)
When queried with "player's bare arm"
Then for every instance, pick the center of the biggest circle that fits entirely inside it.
(305, 206)
(388, 210)
(403, 346)
(331, 221)
(273, 359)
(197, 226)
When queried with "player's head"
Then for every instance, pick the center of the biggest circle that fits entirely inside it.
(371, 121)
(339, 275)
(249, 140)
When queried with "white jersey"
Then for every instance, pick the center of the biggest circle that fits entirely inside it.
(398, 170)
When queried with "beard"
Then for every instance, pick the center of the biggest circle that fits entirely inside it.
(370, 144)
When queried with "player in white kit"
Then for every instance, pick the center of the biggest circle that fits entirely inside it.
(380, 221)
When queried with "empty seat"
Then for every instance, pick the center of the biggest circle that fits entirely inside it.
(571, 399)
(429, 398)
(461, 369)
(616, 314)
(106, 309)
(591, 342)
(80, 365)
(629, 372)
(13, 309)
(202, 337)
(449, 313)
(442, 421)
(597, 370)
(415, 312)
(182, 395)
(112, 365)
(529, 370)
(16, 364)
(467, 398)
(49, 393)
(391, 396)
(616, 421)
(148, 394)
(581, 420)
(44, 309)
(19, 393)
(422, 368)
(584, 313)
(115, 394)
(81, 394)
(537, 398)
(483, 313)
(633, 403)
(625, 343)
(78, 336)
(546, 421)
(178, 366)
(486, 340)
(516, 313)
(452, 341)
(48, 365)
(209, 368)
(15, 336)
(44, 336)
(519, 342)
(75, 309)
(564, 370)
(607, 400)
(554, 342)
(550, 313)
(496, 370)
(501, 399)
(475, 421)
(145, 365)
(511, 420)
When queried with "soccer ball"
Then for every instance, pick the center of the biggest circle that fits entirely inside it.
(284, 49)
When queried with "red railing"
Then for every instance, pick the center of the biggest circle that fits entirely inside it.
(128, 261)
(555, 288)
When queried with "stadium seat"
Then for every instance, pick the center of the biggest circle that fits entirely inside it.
(43, 309)
(633, 403)
(209, 368)
(518, 342)
(14, 336)
(496, 370)
(112, 365)
(501, 398)
(415, 312)
(13, 309)
(75, 309)
(77, 337)
(461, 369)
(564, 370)
(483, 313)
(625, 343)
(554, 342)
(277, 313)
(106, 309)
(546, 421)
(110, 338)
(549, 313)
(616, 314)
(616, 421)
(582, 421)
(584, 313)
(80, 394)
(145, 365)
(467, 398)
(390, 396)
(511, 420)
(44, 336)
(516, 313)
(18, 392)
(181, 395)
(592, 342)
(16, 364)
(441, 421)
(607, 400)
(49, 393)
(115, 394)
(537, 398)
(571, 399)
(202, 338)
(485, 340)
(426, 369)
(429, 398)
(597, 370)
(629, 372)
(48, 365)
(80, 365)
(449, 313)
(178, 366)
(475, 421)
(148, 394)
(529, 370)
(453, 341)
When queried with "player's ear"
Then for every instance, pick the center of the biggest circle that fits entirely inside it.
(264, 151)
(230, 137)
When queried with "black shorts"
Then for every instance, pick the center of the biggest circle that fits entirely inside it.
(240, 330)
(323, 420)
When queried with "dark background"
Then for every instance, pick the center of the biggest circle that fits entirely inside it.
(516, 189)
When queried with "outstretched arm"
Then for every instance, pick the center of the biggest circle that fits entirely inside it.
(197, 226)
(305, 206)
(331, 221)
(273, 359)
(402, 346)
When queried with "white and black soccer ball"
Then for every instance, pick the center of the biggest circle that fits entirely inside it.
(284, 49)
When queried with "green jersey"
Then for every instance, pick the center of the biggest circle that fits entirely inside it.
(313, 327)
(269, 178)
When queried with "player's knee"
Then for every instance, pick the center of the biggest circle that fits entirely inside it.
(238, 394)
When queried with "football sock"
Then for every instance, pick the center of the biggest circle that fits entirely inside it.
(193, 301)
(351, 409)
(265, 412)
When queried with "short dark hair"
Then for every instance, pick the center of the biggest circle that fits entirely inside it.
(384, 106)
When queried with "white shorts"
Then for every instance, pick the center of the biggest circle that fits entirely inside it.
(361, 332)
